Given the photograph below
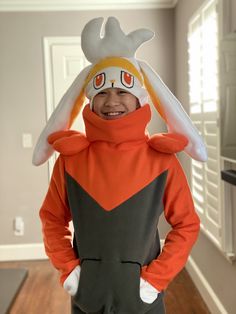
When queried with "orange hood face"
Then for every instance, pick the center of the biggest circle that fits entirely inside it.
(116, 158)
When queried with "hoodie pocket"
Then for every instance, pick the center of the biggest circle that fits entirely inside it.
(110, 287)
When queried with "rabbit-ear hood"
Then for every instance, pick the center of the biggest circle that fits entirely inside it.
(138, 78)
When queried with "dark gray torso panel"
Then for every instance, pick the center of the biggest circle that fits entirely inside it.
(113, 245)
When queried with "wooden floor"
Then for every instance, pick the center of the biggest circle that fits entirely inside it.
(42, 294)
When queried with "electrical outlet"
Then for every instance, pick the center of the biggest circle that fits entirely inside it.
(27, 140)
(18, 226)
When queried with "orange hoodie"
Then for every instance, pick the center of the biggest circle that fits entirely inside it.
(114, 161)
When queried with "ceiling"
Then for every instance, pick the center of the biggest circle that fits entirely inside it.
(80, 5)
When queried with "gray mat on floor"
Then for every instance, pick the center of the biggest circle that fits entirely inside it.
(11, 281)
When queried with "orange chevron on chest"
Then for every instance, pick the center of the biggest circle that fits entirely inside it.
(112, 176)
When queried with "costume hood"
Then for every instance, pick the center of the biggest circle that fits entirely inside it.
(113, 59)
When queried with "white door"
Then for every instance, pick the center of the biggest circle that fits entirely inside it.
(64, 60)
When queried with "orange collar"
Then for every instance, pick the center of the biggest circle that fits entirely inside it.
(131, 127)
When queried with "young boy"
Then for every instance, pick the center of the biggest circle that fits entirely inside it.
(114, 103)
(114, 183)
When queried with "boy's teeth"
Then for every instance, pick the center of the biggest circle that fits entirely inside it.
(113, 113)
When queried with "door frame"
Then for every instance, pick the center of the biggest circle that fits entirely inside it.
(48, 43)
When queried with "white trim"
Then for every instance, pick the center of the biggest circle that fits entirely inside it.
(81, 5)
(47, 42)
(209, 296)
(21, 252)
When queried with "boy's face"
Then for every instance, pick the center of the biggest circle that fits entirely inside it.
(113, 103)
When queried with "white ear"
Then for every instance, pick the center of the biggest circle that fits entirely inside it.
(59, 119)
(176, 118)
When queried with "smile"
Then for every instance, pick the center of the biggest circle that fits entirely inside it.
(113, 113)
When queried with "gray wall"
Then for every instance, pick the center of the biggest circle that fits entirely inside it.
(22, 99)
(220, 274)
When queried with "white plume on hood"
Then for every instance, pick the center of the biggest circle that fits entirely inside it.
(114, 43)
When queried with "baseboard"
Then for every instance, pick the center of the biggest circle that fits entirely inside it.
(20, 252)
(211, 299)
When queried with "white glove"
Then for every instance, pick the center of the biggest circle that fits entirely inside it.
(147, 292)
(71, 283)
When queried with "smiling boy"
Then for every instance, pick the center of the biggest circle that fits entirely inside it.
(113, 103)
(114, 182)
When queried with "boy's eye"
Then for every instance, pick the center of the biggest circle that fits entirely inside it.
(101, 93)
(121, 92)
